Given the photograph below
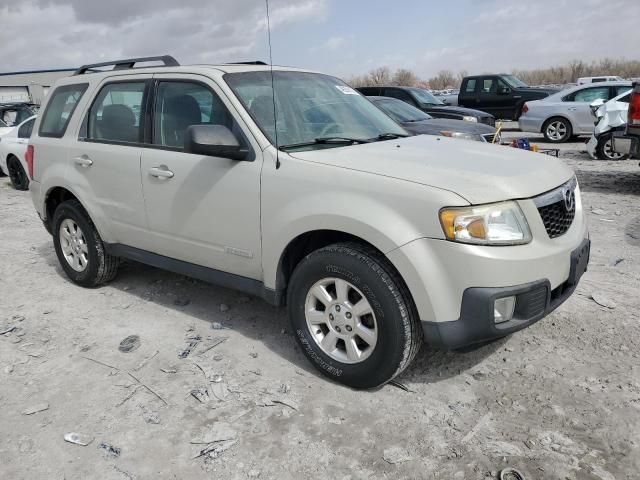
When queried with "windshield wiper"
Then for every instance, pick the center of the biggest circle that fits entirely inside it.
(326, 141)
(390, 136)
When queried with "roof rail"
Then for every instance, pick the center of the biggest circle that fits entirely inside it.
(127, 63)
(254, 62)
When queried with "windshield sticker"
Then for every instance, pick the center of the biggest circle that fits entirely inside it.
(346, 90)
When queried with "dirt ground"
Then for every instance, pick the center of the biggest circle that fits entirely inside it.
(560, 400)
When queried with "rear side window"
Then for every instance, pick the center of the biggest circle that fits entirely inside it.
(60, 109)
(115, 115)
(25, 129)
(591, 94)
(471, 85)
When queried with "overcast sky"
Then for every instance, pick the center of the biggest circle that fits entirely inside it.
(341, 37)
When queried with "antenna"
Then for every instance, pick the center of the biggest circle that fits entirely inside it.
(273, 90)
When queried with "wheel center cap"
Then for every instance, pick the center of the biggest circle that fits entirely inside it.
(341, 319)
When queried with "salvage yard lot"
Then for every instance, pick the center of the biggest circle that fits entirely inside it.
(558, 400)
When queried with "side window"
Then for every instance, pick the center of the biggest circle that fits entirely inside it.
(179, 105)
(471, 85)
(115, 114)
(399, 94)
(591, 94)
(60, 109)
(10, 117)
(489, 85)
(619, 90)
(25, 129)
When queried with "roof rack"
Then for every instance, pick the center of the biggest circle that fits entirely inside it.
(254, 62)
(128, 63)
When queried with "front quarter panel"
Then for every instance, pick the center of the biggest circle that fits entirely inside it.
(303, 196)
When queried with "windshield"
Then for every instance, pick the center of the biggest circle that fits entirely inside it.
(309, 106)
(424, 97)
(401, 111)
(514, 81)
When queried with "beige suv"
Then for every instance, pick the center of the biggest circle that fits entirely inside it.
(293, 187)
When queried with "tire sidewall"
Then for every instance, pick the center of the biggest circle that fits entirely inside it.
(69, 210)
(567, 124)
(600, 153)
(15, 163)
(391, 317)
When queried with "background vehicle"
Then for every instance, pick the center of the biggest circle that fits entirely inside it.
(291, 186)
(501, 95)
(628, 143)
(14, 113)
(428, 103)
(13, 146)
(604, 78)
(611, 119)
(564, 114)
(418, 122)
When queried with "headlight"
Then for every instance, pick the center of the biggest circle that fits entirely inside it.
(462, 135)
(495, 224)
(469, 118)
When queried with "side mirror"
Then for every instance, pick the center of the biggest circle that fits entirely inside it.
(214, 141)
(503, 90)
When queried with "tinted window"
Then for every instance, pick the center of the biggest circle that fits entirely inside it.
(621, 89)
(399, 94)
(115, 113)
(401, 111)
(25, 129)
(181, 104)
(488, 85)
(591, 94)
(60, 109)
(471, 85)
(424, 97)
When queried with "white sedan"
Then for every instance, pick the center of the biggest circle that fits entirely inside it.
(566, 113)
(13, 146)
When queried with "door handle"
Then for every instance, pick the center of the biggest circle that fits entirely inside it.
(572, 109)
(160, 172)
(83, 161)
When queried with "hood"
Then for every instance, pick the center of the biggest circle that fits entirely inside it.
(434, 126)
(541, 92)
(478, 172)
(458, 110)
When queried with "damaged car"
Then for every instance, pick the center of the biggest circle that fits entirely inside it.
(611, 118)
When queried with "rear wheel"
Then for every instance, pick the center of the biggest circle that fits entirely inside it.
(17, 174)
(605, 151)
(353, 316)
(79, 247)
(557, 130)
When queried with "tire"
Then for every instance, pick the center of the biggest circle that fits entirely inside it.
(557, 130)
(17, 175)
(604, 149)
(393, 331)
(89, 265)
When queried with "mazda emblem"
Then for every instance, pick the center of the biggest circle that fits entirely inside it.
(569, 199)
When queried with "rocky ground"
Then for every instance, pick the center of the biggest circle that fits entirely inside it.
(214, 387)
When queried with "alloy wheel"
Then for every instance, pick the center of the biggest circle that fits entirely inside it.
(74, 245)
(556, 130)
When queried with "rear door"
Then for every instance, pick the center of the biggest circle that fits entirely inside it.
(105, 158)
(203, 210)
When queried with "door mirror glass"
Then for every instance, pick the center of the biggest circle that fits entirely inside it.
(214, 141)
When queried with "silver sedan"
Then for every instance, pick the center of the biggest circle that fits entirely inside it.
(567, 113)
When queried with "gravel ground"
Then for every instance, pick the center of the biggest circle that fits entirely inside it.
(560, 400)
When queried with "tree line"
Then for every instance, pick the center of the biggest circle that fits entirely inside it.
(558, 75)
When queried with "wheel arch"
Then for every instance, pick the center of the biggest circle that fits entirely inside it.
(557, 116)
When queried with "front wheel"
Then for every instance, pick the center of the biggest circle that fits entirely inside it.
(353, 316)
(17, 174)
(605, 151)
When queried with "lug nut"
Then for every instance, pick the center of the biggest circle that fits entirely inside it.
(331, 317)
(348, 315)
(337, 308)
(348, 328)
(338, 329)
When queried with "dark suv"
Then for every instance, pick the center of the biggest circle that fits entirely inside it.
(425, 101)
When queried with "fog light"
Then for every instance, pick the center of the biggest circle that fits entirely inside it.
(503, 309)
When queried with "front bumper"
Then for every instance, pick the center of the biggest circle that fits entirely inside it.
(534, 301)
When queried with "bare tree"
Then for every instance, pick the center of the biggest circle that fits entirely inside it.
(460, 77)
(379, 76)
(404, 78)
(444, 79)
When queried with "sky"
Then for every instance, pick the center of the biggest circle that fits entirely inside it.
(339, 37)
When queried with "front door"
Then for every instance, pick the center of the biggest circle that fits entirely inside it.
(105, 160)
(201, 209)
(495, 97)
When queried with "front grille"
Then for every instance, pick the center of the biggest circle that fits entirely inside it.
(531, 304)
(557, 208)
(488, 137)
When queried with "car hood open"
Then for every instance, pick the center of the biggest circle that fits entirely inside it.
(478, 172)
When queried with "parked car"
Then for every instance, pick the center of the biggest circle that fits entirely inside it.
(628, 143)
(13, 146)
(564, 114)
(428, 103)
(14, 113)
(502, 95)
(418, 122)
(610, 119)
(293, 187)
(604, 78)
